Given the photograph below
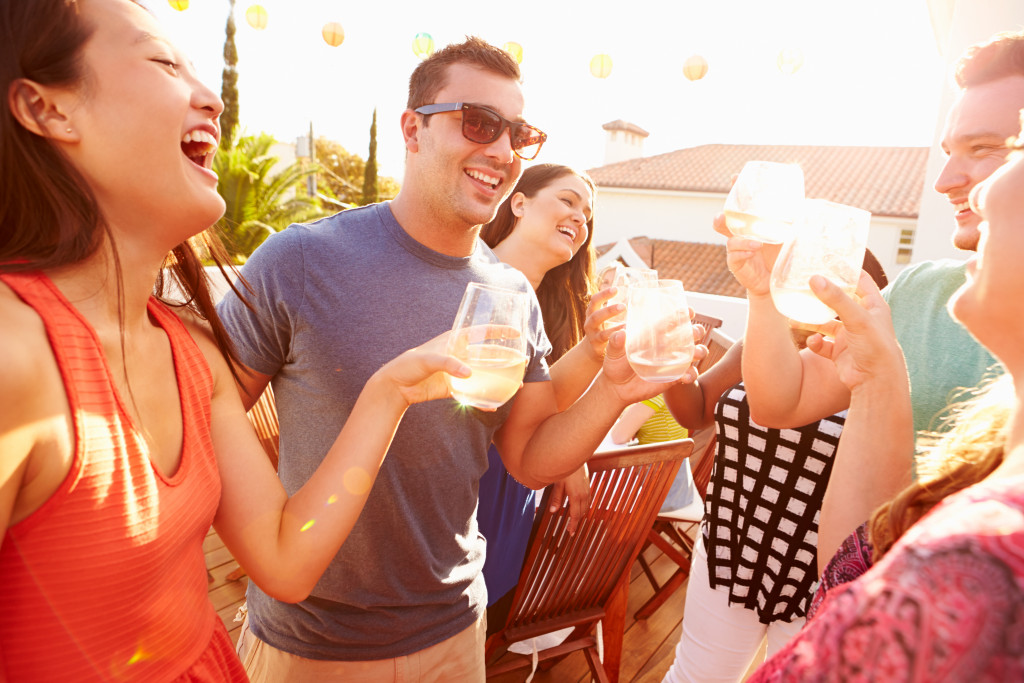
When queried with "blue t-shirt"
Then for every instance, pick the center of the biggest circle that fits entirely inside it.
(334, 301)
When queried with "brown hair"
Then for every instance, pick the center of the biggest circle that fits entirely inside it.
(564, 292)
(48, 215)
(431, 74)
(965, 455)
(1000, 56)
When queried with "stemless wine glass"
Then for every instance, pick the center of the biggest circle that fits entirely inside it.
(624, 278)
(488, 336)
(764, 201)
(830, 240)
(659, 335)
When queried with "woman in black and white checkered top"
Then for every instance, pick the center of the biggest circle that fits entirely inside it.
(754, 567)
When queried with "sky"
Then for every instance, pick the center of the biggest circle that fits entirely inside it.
(872, 73)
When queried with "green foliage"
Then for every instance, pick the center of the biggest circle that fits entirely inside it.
(342, 175)
(229, 83)
(259, 201)
(370, 173)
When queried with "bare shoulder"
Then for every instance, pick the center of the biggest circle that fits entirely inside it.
(24, 347)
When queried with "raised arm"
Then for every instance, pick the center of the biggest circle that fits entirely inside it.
(285, 543)
(540, 445)
(875, 455)
(693, 405)
(785, 387)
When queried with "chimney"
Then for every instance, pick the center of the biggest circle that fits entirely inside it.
(625, 141)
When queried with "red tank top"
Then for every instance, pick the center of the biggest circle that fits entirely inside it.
(107, 580)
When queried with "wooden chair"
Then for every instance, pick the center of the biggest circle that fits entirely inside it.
(263, 416)
(670, 532)
(580, 580)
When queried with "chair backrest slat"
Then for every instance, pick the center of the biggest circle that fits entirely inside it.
(566, 578)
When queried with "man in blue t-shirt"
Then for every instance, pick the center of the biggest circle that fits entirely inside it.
(332, 301)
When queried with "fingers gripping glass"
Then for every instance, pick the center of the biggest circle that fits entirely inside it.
(483, 126)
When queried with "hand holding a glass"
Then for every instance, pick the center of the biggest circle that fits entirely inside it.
(659, 333)
(488, 336)
(765, 201)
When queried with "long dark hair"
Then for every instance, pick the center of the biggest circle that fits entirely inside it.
(48, 215)
(565, 290)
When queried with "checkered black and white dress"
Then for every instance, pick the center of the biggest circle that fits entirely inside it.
(761, 512)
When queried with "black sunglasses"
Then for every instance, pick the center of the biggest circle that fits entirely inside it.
(483, 126)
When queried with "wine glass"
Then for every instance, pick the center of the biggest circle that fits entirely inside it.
(488, 336)
(625, 277)
(659, 335)
(830, 240)
(764, 201)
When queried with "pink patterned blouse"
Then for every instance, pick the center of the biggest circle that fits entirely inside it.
(946, 603)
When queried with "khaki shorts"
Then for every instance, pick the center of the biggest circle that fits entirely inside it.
(460, 658)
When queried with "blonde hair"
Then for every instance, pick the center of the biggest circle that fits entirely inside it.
(952, 461)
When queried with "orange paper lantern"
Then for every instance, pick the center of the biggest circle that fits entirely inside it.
(257, 17)
(333, 33)
(695, 68)
(601, 66)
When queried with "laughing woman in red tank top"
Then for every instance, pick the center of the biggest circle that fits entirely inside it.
(122, 434)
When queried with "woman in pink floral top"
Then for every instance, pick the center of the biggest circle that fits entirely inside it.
(946, 602)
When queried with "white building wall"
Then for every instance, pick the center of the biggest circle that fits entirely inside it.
(968, 22)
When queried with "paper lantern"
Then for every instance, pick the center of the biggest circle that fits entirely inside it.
(790, 60)
(333, 33)
(695, 68)
(601, 66)
(257, 17)
(180, 5)
(514, 49)
(423, 45)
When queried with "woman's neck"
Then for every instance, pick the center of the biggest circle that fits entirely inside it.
(518, 256)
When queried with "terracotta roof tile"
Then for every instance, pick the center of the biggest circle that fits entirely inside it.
(886, 181)
(701, 267)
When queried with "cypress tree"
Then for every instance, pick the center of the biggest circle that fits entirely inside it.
(370, 174)
(229, 83)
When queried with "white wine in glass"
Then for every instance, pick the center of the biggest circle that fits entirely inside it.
(659, 334)
(830, 240)
(765, 201)
(488, 336)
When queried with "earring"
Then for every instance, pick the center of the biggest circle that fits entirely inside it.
(67, 130)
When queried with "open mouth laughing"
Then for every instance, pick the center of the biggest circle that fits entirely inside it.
(480, 176)
(200, 146)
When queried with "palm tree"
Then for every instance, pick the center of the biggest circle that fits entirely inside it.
(259, 203)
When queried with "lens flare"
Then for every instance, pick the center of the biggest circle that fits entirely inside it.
(357, 481)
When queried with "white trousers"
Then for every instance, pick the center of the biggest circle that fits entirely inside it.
(719, 641)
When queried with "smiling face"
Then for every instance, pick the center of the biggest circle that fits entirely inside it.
(974, 140)
(554, 221)
(988, 303)
(144, 128)
(462, 182)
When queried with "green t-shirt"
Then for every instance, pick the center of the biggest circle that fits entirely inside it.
(942, 356)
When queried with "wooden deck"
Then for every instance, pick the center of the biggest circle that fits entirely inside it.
(647, 653)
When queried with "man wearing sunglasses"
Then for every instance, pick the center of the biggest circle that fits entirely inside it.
(405, 598)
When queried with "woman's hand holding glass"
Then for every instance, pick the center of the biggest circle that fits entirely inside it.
(863, 345)
(659, 332)
(420, 374)
(596, 327)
